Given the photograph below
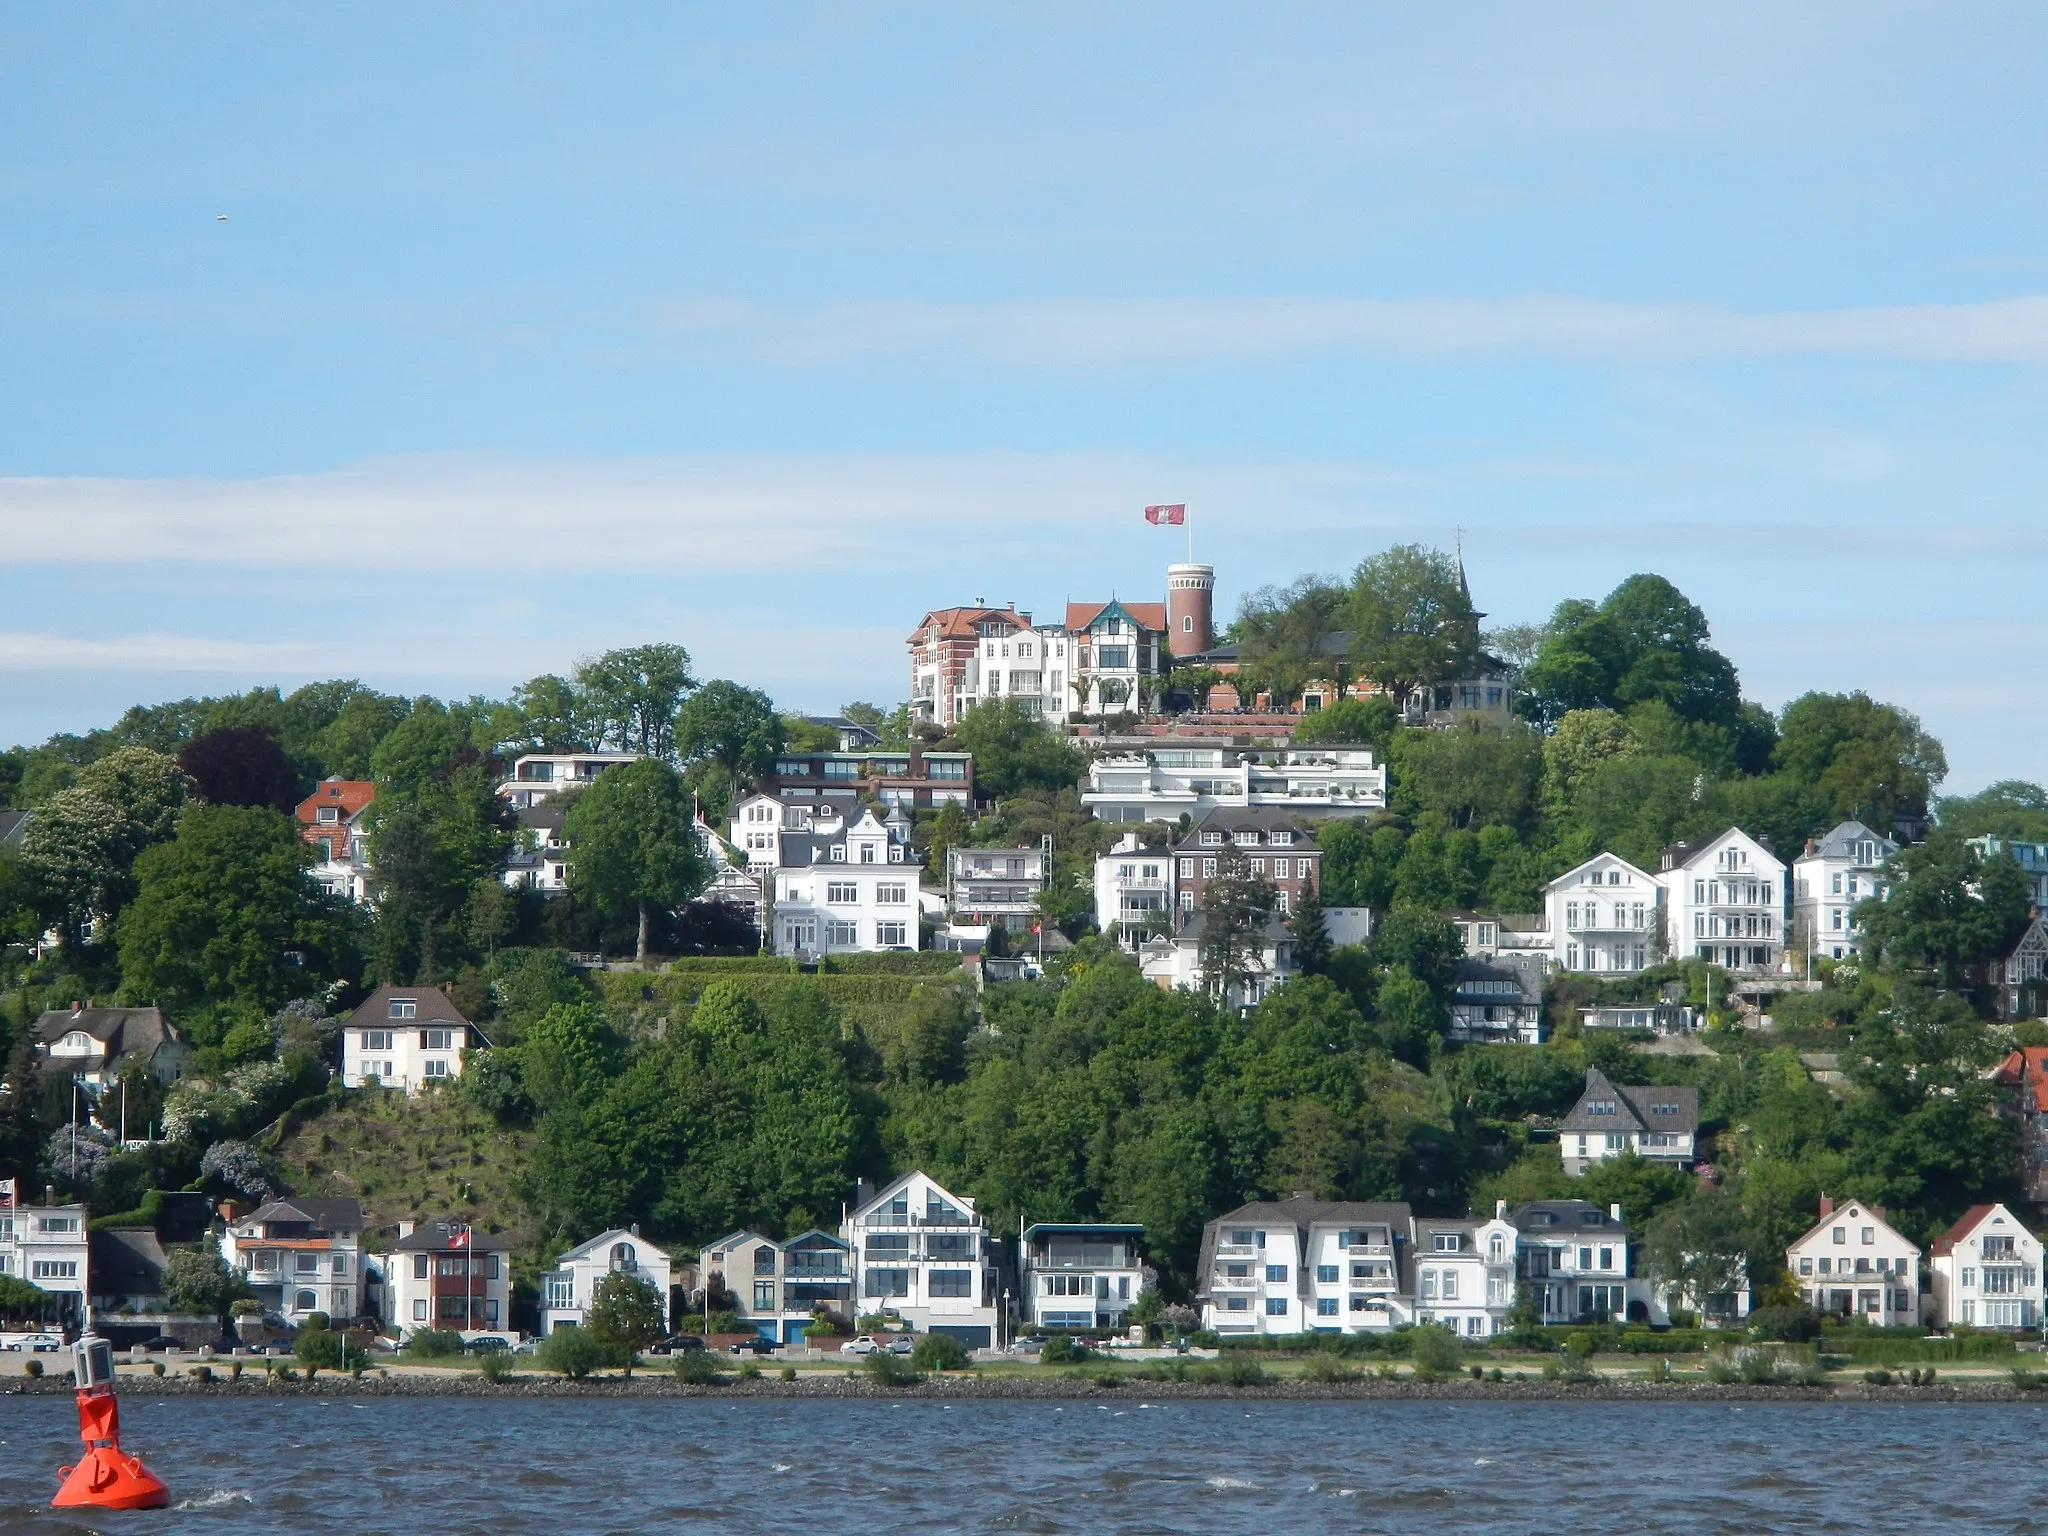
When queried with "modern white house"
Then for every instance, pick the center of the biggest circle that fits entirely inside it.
(960, 657)
(850, 890)
(300, 1255)
(1853, 1263)
(537, 775)
(1987, 1272)
(1655, 1122)
(1574, 1260)
(442, 1274)
(404, 1038)
(1828, 880)
(47, 1246)
(780, 1288)
(1134, 888)
(996, 887)
(1465, 1272)
(1082, 1274)
(1164, 783)
(1724, 900)
(1303, 1265)
(924, 1253)
(567, 1290)
(1605, 917)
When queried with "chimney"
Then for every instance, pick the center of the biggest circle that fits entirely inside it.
(634, 1229)
(1500, 1210)
(49, 1194)
(1614, 1212)
(77, 1007)
(1827, 1207)
(405, 1229)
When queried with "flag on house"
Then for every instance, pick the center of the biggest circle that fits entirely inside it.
(7, 1192)
(459, 1238)
(1176, 514)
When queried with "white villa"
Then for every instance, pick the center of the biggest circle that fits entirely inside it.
(1988, 1272)
(1465, 1272)
(1082, 1274)
(404, 1038)
(1725, 901)
(1303, 1265)
(1829, 879)
(567, 1291)
(924, 1254)
(301, 1255)
(540, 774)
(1134, 888)
(1605, 917)
(1854, 1264)
(47, 1246)
(1654, 1122)
(1574, 1259)
(854, 888)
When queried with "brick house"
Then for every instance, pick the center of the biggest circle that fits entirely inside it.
(1278, 849)
(330, 819)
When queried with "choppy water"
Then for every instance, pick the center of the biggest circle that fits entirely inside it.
(565, 1465)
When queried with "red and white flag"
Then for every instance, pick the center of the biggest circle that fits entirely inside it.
(7, 1192)
(459, 1238)
(1175, 514)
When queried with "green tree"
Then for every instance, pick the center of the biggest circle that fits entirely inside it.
(1235, 911)
(1311, 936)
(1470, 776)
(627, 1315)
(241, 765)
(1582, 740)
(570, 1352)
(81, 845)
(318, 1347)
(553, 713)
(1015, 750)
(1944, 908)
(1644, 643)
(631, 696)
(734, 729)
(633, 845)
(224, 913)
(1290, 636)
(199, 1280)
(1872, 761)
(1700, 1247)
(2010, 808)
(1412, 622)
(1349, 722)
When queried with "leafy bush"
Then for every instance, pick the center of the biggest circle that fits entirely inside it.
(886, 1370)
(787, 1373)
(1785, 1325)
(1241, 1371)
(434, 1344)
(1881, 1349)
(2024, 1379)
(696, 1368)
(1883, 1378)
(493, 1367)
(318, 1349)
(1436, 1352)
(750, 1371)
(1061, 1350)
(571, 1352)
(203, 1374)
(939, 1352)
(32, 1367)
(1328, 1368)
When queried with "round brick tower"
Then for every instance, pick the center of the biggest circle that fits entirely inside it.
(1190, 609)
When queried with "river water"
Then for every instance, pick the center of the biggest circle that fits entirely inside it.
(576, 1467)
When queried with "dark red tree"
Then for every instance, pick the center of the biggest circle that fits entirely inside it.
(241, 765)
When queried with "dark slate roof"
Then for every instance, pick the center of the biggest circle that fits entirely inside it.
(12, 825)
(545, 817)
(123, 1031)
(433, 1236)
(1561, 1218)
(434, 1007)
(1263, 820)
(1836, 843)
(126, 1261)
(339, 1213)
(1524, 971)
(1303, 1211)
(1633, 1107)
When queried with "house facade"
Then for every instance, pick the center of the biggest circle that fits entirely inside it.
(1574, 1258)
(1829, 879)
(1082, 1275)
(1986, 1271)
(1725, 899)
(1120, 655)
(1303, 1265)
(1658, 1123)
(1195, 779)
(780, 1288)
(404, 1038)
(1274, 848)
(1465, 1273)
(299, 1256)
(847, 891)
(1176, 961)
(95, 1045)
(2024, 1076)
(1605, 917)
(1854, 1264)
(996, 887)
(541, 859)
(962, 656)
(331, 821)
(1499, 998)
(537, 775)
(910, 777)
(1134, 888)
(568, 1290)
(47, 1245)
(924, 1253)
(2032, 859)
(2019, 977)
(443, 1274)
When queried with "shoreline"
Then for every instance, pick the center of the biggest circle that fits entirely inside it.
(969, 1388)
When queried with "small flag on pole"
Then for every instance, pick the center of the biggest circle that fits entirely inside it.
(7, 1191)
(459, 1238)
(1176, 514)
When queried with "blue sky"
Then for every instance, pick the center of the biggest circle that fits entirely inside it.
(533, 331)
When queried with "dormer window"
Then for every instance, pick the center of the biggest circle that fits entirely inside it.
(1281, 839)
(1600, 1106)
(839, 853)
(403, 1008)
(1448, 1242)
(328, 814)
(1212, 839)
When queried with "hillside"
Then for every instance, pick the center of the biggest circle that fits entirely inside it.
(436, 1155)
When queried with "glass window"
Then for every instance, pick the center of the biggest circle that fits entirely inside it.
(1276, 1274)
(1276, 1306)
(1326, 1306)
(404, 1008)
(1326, 1274)
(952, 1282)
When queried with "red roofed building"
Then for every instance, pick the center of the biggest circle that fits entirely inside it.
(2025, 1072)
(331, 820)
(1120, 655)
(1987, 1271)
(962, 656)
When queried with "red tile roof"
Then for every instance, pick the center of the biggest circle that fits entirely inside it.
(1965, 1225)
(2027, 1068)
(1148, 615)
(350, 794)
(959, 623)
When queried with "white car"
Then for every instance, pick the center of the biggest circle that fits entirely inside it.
(860, 1346)
(34, 1343)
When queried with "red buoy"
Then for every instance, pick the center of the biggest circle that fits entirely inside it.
(107, 1477)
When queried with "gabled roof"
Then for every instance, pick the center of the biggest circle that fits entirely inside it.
(1264, 819)
(1969, 1222)
(1836, 843)
(1636, 1108)
(432, 1006)
(351, 795)
(1302, 1212)
(2026, 1068)
(1604, 860)
(1526, 971)
(434, 1237)
(125, 1261)
(337, 1213)
(1556, 1217)
(817, 1237)
(1148, 616)
(604, 1240)
(1853, 1210)
(12, 825)
(1681, 855)
(890, 1191)
(960, 623)
(2033, 939)
(733, 1239)
(123, 1031)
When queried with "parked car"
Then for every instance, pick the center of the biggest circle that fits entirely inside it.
(488, 1344)
(860, 1346)
(34, 1343)
(678, 1343)
(162, 1341)
(1027, 1347)
(754, 1346)
(902, 1344)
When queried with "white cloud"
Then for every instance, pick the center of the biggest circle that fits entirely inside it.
(1108, 332)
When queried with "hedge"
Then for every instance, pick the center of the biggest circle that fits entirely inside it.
(1879, 1350)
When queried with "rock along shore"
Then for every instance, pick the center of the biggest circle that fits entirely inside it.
(964, 1387)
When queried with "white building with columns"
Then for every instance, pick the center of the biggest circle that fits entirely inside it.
(1829, 879)
(1605, 917)
(1725, 900)
(1987, 1272)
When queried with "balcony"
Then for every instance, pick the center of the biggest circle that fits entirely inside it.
(1234, 1283)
